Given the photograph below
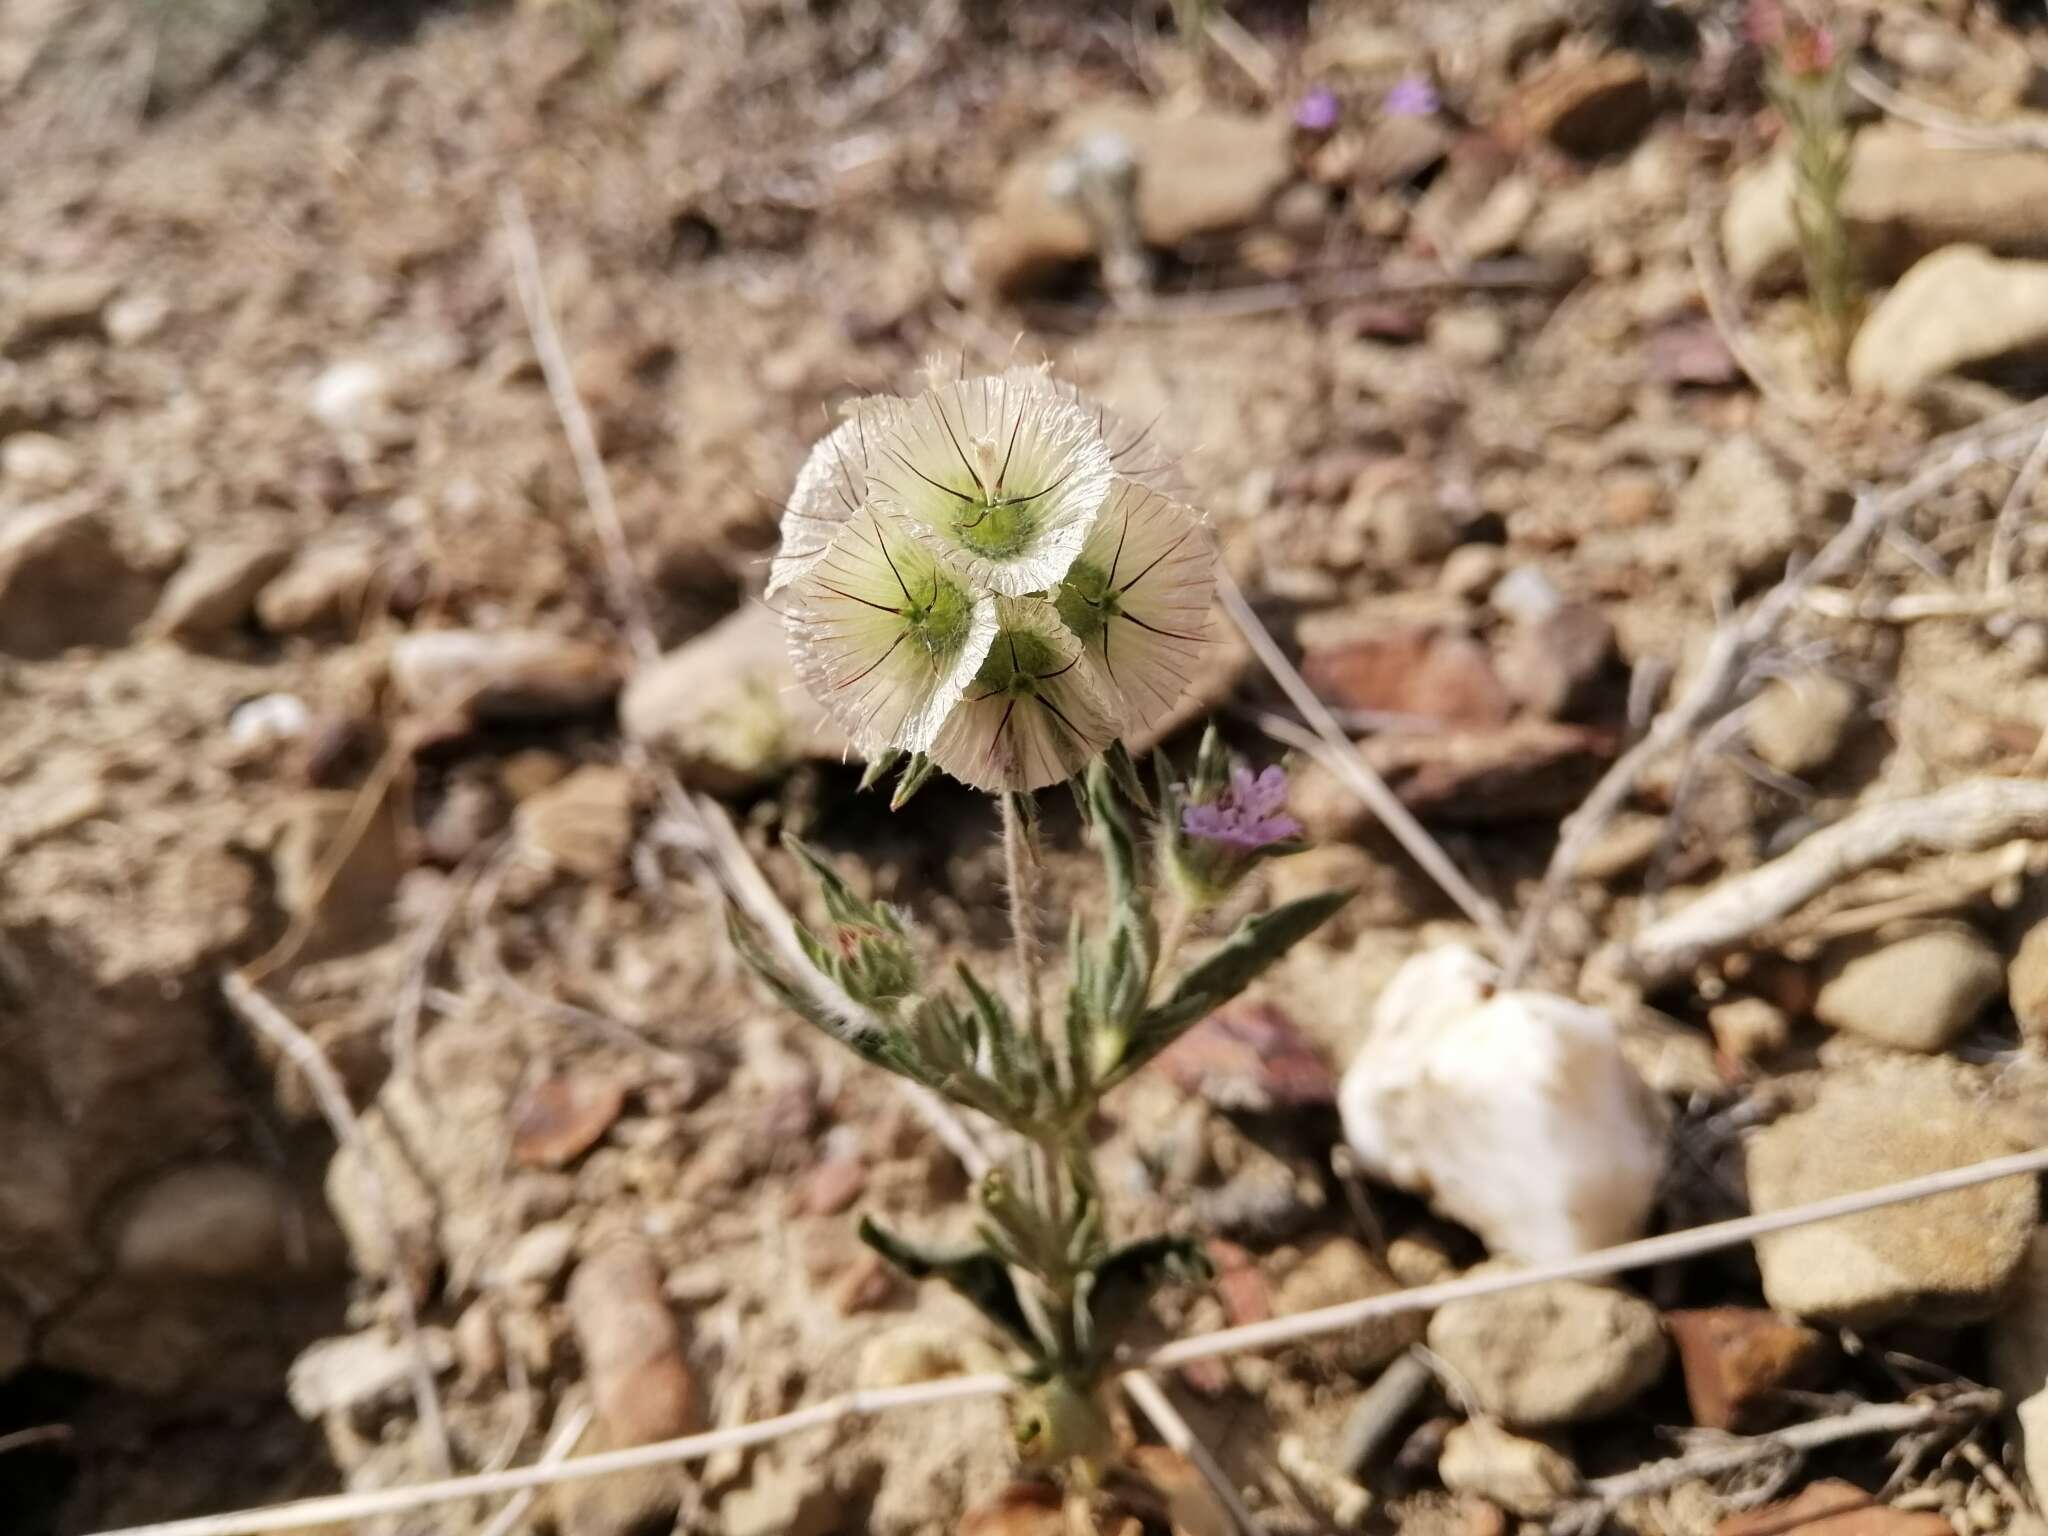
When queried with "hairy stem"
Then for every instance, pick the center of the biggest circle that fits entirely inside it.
(1020, 872)
(1179, 919)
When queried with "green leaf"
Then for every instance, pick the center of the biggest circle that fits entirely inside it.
(920, 769)
(1109, 1297)
(976, 1273)
(1125, 772)
(879, 766)
(1256, 944)
(868, 1040)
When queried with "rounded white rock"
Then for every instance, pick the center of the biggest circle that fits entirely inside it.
(1514, 1113)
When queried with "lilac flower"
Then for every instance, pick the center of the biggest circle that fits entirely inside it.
(1412, 96)
(1249, 814)
(1317, 112)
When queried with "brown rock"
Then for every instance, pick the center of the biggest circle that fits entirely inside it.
(1192, 1508)
(1908, 194)
(1416, 671)
(561, 1118)
(1553, 665)
(1912, 993)
(215, 591)
(62, 304)
(1209, 173)
(1525, 768)
(1585, 106)
(1833, 1508)
(833, 1186)
(867, 1285)
(1021, 1509)
(63, 583)
(326, 585)
(501, 675)
(1340, 1270)
(584, 824)
(632, 1350)
(726, 707)
(1735, 1358)
(1797, 725)
(2027, 985)
(1944, 1260)
(1250, 1057)
(352, 908)
(1240, 1283)
(1524, 1476)
(209, 1221)
(1561, 1353)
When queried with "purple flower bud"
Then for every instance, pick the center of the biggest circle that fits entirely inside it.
(1412, 96)
(1317, 112)
(1249, 814)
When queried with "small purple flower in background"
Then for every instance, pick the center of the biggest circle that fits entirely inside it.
(1317, 112)
(1249, 814)
(1412, 96)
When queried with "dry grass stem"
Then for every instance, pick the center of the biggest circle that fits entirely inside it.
(1153, 1402)
(506, 1521)
(1341, 756)
(270, 1021)
(1736, 1452)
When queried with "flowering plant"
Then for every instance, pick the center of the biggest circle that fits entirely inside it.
(1806, 77)
(977, 580)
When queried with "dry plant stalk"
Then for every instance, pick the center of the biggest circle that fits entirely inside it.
(1959, 819)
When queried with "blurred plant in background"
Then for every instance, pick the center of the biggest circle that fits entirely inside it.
(973, 585)
(1806, 77)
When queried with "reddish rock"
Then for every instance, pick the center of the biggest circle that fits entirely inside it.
(1250, 1057)
(1585, 106)
(1240, 1283)
(1690, 352)
(1021, 1509)
(1529, 768)
(1417, 671)
(632, 1350)
(833, 1186)
(1833, 1508)
(867, 1285)
(1736, 1358)
(559, 1119)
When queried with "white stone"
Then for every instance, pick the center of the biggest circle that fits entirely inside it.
(1514, 1113)
(351, 396)
(39, 464)
(358, 1369)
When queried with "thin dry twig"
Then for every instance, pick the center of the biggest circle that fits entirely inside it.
(306, 1513)
(1640, 1254)
(1153, 1402)
(335, 1509)
(1959, 819)
(1317, 288)
(41, 1434)
(621, 577)
(1343, 758)
(2012, 513)
(298, 1047)
(1605, 1493)
(1913, 607)
(1733, 644)
(507, 1519)
(1962, 132)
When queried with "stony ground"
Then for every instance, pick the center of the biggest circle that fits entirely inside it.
(1499, 400)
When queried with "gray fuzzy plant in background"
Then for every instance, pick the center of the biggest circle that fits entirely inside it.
(973, 584)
